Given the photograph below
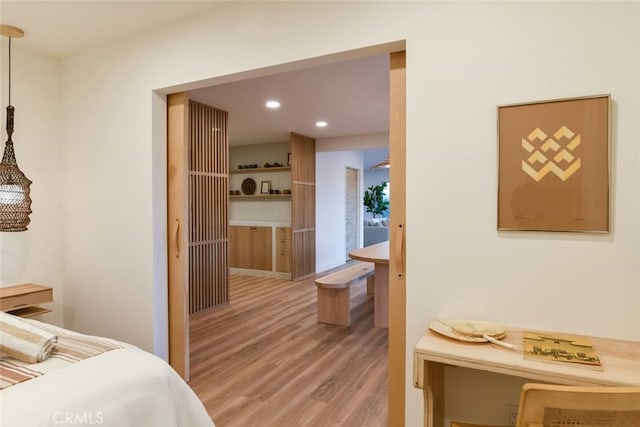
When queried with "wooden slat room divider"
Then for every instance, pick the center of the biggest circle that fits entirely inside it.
(208, 172)
(303, 205)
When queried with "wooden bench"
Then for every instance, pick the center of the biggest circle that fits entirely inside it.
(334, 295)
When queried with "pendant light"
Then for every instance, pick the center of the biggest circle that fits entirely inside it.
(15, 203)
(385, 164)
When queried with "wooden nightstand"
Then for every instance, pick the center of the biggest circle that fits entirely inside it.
(23, 300)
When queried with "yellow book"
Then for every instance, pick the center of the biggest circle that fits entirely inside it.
(560, 348)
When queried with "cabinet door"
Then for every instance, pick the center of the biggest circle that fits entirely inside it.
(239, 248)
(283, 250)
(260, 242)
(283, 262)
(250, 247)
(283, 233)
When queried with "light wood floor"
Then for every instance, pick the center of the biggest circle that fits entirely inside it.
(263, 360)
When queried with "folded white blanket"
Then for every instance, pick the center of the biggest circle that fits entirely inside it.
(24, 341)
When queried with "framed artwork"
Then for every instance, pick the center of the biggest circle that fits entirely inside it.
(288, 159)
(553, 165)
(265, 187)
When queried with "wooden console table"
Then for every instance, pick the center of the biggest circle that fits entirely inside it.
(620, 366)
(23, 300)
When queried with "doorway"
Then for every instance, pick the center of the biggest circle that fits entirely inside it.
(397, 311)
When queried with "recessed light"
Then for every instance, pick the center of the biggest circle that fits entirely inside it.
(321, 124)
(272, 104)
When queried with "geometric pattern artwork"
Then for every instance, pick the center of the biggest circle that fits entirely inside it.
(553, 165)
(551, 154)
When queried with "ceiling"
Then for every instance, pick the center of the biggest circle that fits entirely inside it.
(352, 96)
(60, 27)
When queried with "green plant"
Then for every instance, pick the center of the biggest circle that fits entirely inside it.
(374, 199)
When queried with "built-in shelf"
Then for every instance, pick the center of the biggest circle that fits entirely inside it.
(23, 300)
(261, 196)
(297, 256)
(253, 170)
(29, 311)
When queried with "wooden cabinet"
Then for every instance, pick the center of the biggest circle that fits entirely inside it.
(250, 247)
(293, 252)
(283, 249)
(23, 300)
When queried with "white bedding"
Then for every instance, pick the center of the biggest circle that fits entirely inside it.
(119, 388)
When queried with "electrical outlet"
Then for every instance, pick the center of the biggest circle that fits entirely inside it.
(511, 415)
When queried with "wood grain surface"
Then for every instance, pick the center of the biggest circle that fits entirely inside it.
(263, 360)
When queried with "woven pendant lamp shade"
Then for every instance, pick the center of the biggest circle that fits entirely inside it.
(15, 202)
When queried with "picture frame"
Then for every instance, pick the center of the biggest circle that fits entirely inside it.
(553, 165)
(265, 187)
(288, 159)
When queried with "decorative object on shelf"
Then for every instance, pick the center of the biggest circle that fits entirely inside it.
(274, 165)
(236, 192)
(265, 187)
(286, 191)
(374, 199)
(15, 201)
(288, 159)
(248, 186)
(553, 165)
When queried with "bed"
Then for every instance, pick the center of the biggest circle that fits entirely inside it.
(121, 386)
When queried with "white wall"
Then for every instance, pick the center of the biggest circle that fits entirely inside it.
(113, 271)
(458, 264)
(333, 156)
(463, 59)
(354, 142)
(35, 256)
(331, 192)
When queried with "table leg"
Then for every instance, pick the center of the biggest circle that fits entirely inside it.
(433, 393)
(370, 285)
(381, 296)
